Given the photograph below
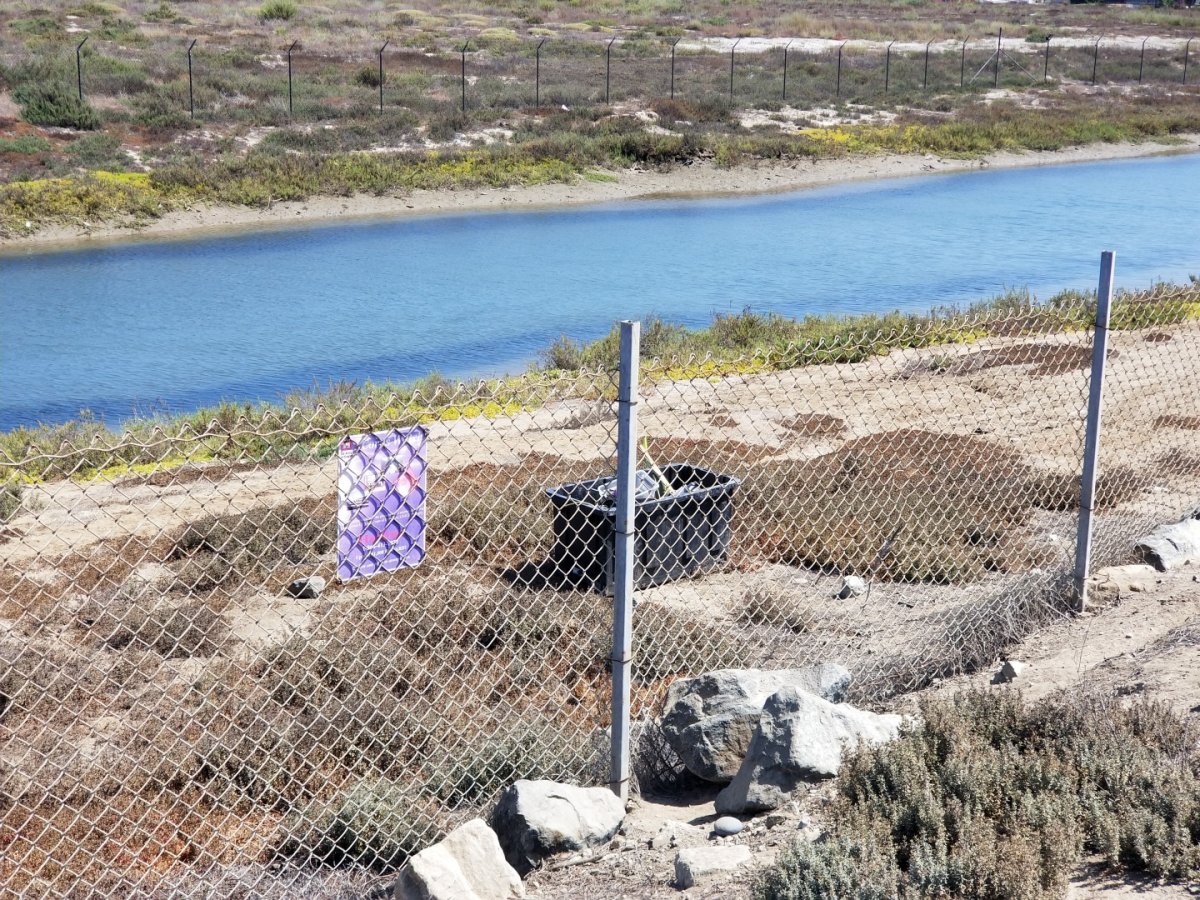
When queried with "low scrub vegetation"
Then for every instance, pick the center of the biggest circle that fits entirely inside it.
(558, 148)
(988, 799)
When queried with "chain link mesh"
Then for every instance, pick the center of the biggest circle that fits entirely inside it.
(175, 722)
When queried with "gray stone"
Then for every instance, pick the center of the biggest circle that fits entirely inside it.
(727, 825)
(852, 586)
(536, 819)
(467, 864)
(307, 588)
(694, 865)
(800, 737)
(677, 834)
(1114, 582)
(710, 719)
(1170, 546)
(1009, 672)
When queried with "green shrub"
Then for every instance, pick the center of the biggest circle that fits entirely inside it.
(98, 151)
(990, 800)
(368, 76)
(54, 105)
(277, 9)
(26, 144)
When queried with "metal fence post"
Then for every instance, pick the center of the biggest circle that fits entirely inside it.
(607, 69)
(191, 94)
(537, 75)
(732, 50)
(677, 40)
(887, 68)
(79, 66)
(289, 56)
(1091, 448)
(463, 75)
(381, 49)
(999, 50)
(838, 90)
(785, 52)
(1046, 64)
(623, 557)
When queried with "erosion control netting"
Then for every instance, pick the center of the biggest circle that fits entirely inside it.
(176, 721)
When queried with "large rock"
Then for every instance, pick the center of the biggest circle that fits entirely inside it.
(709, 720)
(800, 737)
(695, 865)
(1171, 546)
(467, 864)
(536, 819)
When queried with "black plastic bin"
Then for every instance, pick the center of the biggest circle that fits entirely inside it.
(678, 535)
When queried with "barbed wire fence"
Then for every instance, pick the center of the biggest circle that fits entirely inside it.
(207, 80)
(185, 712)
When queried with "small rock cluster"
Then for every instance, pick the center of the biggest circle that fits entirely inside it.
(762, 734)
(766, 734)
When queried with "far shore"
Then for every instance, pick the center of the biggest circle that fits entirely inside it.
(699, 180)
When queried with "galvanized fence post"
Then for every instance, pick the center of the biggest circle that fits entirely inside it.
(1091, 448)
(623, 558)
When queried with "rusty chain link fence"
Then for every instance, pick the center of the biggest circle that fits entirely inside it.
(175, 721)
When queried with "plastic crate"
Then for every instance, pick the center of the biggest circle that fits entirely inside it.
(675, 536)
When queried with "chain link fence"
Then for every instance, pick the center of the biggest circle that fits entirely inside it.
(178, 719)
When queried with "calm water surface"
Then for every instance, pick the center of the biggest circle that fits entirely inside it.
(157, 327)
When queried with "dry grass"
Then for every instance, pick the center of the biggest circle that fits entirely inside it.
(901, 506)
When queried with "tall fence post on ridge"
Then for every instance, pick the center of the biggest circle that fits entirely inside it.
(732, 50)
(838, 91)
(962, 67)
(1187, 49)
(925, 80)
(785, 52)
(999, 50)
(537, 75)
(1091, 448)
(624, 555)
(381, 49)
(1095, 59)
(1046, 64)
(607, 69)
(676, 41)
(1142, 61)
(463, 76)
(289, 54)
(887, 68)
(79, 66)
(191, 95)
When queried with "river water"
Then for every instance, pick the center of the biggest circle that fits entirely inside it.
(148, 327)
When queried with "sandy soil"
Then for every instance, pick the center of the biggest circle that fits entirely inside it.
(702, 179)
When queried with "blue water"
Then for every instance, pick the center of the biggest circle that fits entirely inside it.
(158, 327)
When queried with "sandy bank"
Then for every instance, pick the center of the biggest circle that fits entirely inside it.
(702, 179)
